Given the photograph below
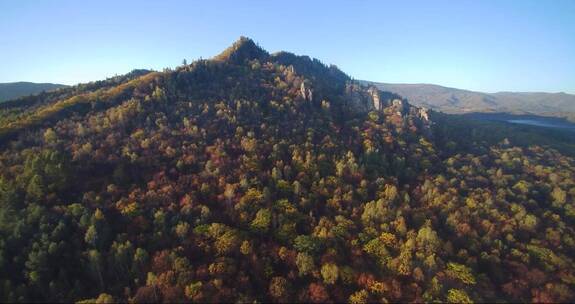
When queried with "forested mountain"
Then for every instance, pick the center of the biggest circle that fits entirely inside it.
(273, 177)
(450, 100)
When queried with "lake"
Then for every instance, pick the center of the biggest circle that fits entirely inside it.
(529, 120)
(542, 123)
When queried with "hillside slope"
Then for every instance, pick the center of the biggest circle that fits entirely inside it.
(13, 90)
(451, 100)
(272, 178)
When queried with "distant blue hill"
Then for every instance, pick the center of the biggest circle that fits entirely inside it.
(13, 90)
(457, 101)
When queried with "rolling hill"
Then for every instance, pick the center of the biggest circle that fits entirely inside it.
(14, 90)
(457, 101)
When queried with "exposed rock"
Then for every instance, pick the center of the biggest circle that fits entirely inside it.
(399, 106)
(423, 114)
(397, 103)
(375, 100)
(364, 99)
(421, 118)
(358, 98)
(306, 93)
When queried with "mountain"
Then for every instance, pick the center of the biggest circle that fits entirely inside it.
(15, 90)
(451, 100)
(272, 177)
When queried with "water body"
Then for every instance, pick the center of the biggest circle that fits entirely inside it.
(529, 120)
(543, 123)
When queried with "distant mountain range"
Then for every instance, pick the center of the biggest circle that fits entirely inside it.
(13, 90)
(457, 101)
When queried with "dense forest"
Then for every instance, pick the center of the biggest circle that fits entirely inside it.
(273, 178)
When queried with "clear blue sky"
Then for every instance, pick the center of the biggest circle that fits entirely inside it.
(518, 45)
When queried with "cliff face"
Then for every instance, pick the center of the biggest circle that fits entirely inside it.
(375, 99)
(361, 98)
(365, 98)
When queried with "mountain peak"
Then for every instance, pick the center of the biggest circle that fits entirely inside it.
(243, 49)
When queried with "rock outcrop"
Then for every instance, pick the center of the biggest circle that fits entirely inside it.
(400, 107)
(375, 99)
(306, 92)
(365, 99)
(423, 113)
